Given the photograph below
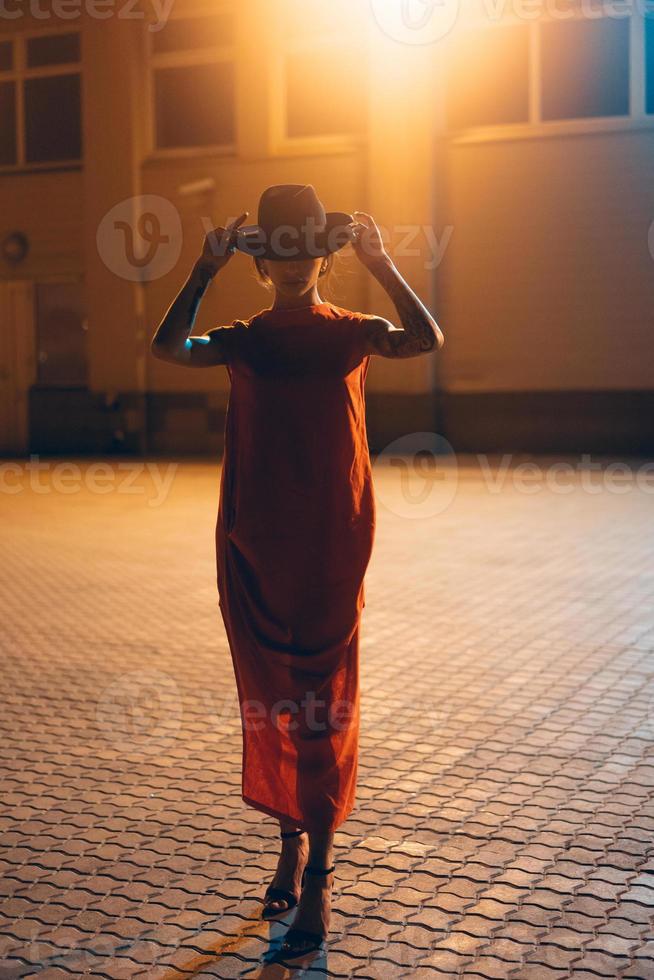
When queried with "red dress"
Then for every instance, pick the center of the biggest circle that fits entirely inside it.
(294, 535)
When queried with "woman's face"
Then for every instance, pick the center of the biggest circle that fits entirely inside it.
(293, 277)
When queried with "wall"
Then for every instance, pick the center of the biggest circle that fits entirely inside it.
(549, 292)
(550, 284)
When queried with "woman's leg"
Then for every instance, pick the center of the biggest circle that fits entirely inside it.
(293, 857)
(321, 849)
(313, 913)
(286, 827)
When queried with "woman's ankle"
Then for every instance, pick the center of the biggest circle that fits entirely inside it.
(290, 828)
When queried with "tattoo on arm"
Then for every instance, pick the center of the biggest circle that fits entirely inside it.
(205, 279)
(416, 338)
(172, 338)
(421, 333)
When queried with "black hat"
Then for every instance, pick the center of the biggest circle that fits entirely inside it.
(293, 224)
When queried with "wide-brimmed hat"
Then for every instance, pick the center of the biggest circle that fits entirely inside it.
(293, 224)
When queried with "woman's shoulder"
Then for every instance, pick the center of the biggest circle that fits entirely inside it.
(240, 324)
(342, 312)
(326, 310)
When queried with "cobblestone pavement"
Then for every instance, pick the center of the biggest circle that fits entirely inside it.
(505, 816)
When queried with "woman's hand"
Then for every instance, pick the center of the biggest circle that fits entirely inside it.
(219, 246)
(367, 241)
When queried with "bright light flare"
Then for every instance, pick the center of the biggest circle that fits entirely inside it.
(416, 21)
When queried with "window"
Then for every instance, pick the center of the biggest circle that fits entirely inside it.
(40, 100)
(316, 109)
(497, 90)
(324, 90)
(582, 69)
(193, 83)
(50, 133)
(8, 147)
(585, 68)
(6, 55)
(52, 49)
(649, 62)
(186, 119)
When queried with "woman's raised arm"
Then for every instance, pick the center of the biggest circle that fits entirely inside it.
(172, 341)
(419, 334)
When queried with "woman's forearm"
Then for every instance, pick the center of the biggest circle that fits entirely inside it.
(171, 339)
(422, 333)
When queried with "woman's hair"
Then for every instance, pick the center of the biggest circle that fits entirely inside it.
(325, 278)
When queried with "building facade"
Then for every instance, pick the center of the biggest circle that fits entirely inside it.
(507, 157)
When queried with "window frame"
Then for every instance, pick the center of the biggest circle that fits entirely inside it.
(536, 127)
(19, 74)
(282, 143)
(223, 54)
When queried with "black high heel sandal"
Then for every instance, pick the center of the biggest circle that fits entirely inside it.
(274, 894)
(290, 951)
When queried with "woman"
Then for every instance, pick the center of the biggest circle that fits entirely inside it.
(296, 518)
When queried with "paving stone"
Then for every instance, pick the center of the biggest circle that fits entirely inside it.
(533, 915)
(634, 912)
(539, 971)
(476, 925)
(602, 963)
(460, 941)
(485, 965)
(373, 930)
(566, 938)
(432, 918)
(444, 961)
(553, 957)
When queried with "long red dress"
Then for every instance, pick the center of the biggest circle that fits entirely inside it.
(294, 535)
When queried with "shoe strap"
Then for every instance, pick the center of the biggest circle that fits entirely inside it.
(320, 871)
(292, 833)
